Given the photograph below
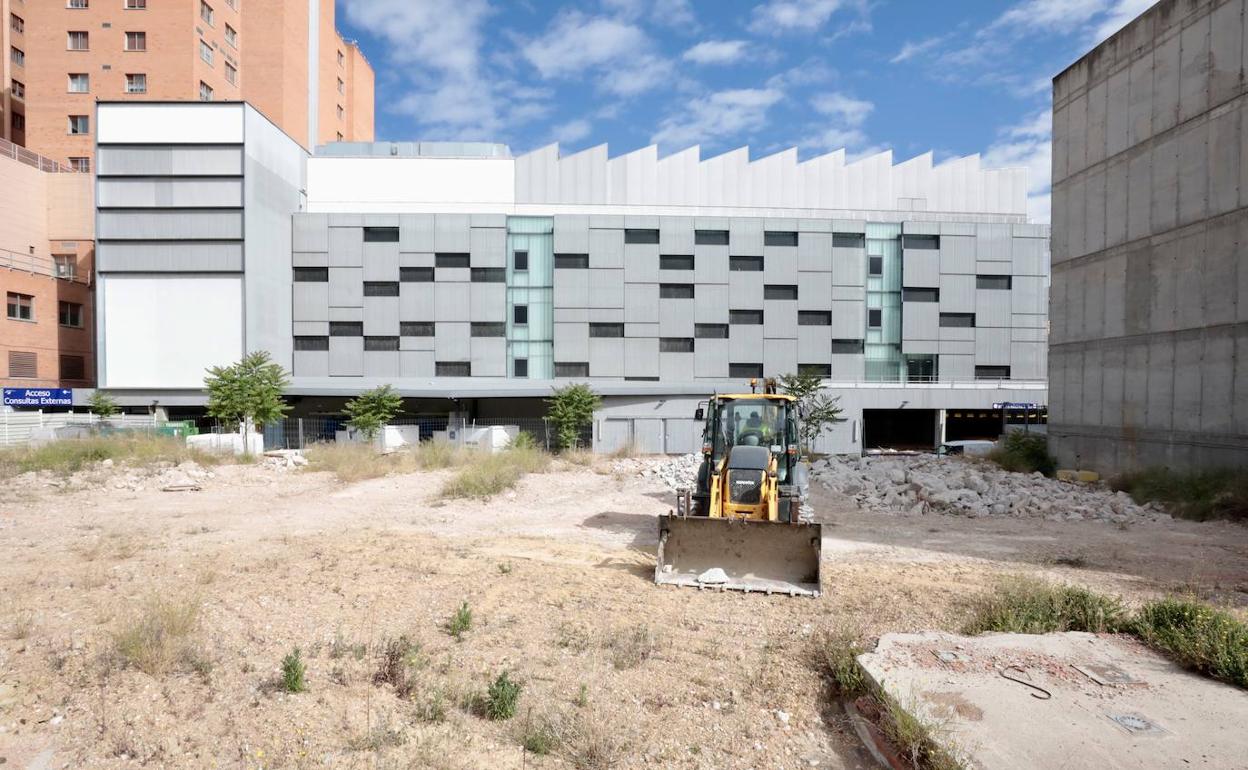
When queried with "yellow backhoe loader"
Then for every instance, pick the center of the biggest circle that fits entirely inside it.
(744, 525)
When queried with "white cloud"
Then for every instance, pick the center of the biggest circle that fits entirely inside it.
(638, 76)
(1122, 12)
(1050, 15)
(851, 111)
(911, 49)
(841, 125)
(573, 131)
(434, 50)
(719, 115)
(778, 16)
(715, 52)
(667, 13)
(575, 42)
(1028, 145)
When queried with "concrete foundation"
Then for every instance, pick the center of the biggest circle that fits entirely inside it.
(1112, 703)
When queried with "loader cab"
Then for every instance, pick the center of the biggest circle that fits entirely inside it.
(752, 420)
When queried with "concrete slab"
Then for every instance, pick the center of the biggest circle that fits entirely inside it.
(1113, 702)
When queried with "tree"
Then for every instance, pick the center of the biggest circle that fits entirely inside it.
(372, 409)
(572, 410)
(816, 410)
(248, 392)
(102, 405)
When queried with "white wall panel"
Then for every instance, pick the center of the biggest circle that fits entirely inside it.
(169, 123)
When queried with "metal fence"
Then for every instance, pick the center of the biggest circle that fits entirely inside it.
(300, 432)
(22, 428)
(23, 155)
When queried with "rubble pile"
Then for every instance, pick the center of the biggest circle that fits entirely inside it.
(920, 484)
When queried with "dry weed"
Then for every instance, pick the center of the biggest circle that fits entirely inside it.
(161, 637)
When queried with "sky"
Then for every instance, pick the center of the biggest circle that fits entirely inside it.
(954, 77)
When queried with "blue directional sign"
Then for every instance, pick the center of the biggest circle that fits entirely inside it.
(38, 398)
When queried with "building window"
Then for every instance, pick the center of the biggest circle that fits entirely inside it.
(231, 74)
(80, 164)
(520, 368)
(381, 288)
(452, 369)
(79, 83)
(231, 36)
(641, 236)
(342, 87)
(875, 318)
(488, 275)
(606, 330)
(341, 58)
(23, 364)
(381, 235)
(69, 314)
(675, 344)
(710, 331)
(849, 240)
(18, 89)
(875, 266)
(381, 344)
(573, 369)
(66, 264)
(710, 237)
(19, 121)
(676, 291)
(311, 274)
(21, 307)
(847, 347)
(920, 242)
(136, 5)
(773, 291)
(774, 238)
(488, 330)
(675, 261)
(205, 92)
(957, 320)
(77, 40)
(136, 41)
(338, 135)
(416, 328)
(76, 4)
(520, 315)
(819, 370)
(520, 260)
(745, 370)
(346, 328)
(745, 264)
(79, 125)
(992, 372)
(205, 52)
(814, 318)
(341, 112)
(416, 274)
(73, 368)
(17, 56)
(571, 261)
(17, 23)
(920, 295)
(311, 344)
(994, 282)
(136, 83)
(451, 260)
(205, 12)
(745, 317)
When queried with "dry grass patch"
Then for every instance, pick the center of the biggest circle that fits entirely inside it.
(162, 637)
(133, 449)
(353, 461)
(490, 474)
(631, 647)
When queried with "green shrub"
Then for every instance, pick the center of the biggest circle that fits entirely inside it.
(524, 440)
(371, 410)
(1197, 636)
(293, 670)
(501, 698)
(539, 737)
(572, 410)
(460, 622)
(490, 474)
(1220, 493)
(1024, 452)
(103, 405)
(1030, 606)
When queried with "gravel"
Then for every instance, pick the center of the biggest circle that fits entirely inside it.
(922, 484)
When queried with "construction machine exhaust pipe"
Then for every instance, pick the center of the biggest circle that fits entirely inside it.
(740, 555)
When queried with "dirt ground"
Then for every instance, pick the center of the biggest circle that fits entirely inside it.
(557, 575)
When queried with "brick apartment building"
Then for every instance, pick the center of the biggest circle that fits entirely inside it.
(59, 57)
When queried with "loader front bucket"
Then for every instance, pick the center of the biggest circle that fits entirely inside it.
(764, 556)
